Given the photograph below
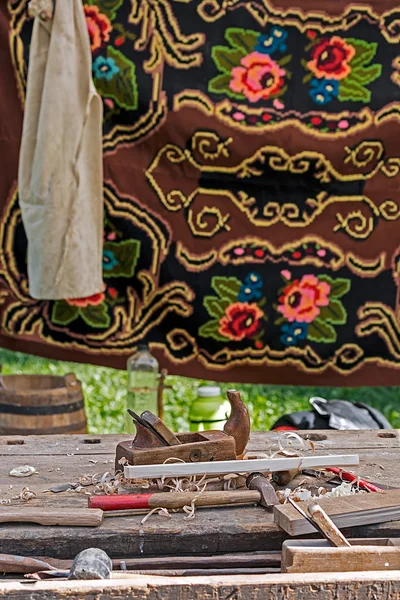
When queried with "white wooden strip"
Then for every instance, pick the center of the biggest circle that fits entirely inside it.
(239, 466)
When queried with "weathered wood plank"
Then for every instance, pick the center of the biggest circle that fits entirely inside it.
(259, 441)
(212, 531)
(332, 586)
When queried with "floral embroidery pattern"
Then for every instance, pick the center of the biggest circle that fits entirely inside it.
(105, 68)
(309, 308)
(237, 315)
(247, 68)
(119, 260)
(113, 73)
(340, 69)
(99, 26)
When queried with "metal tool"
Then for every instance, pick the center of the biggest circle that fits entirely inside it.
(91, 563)
(324, 526)
(258, 481)
(149, 427)
(332, 532)
(153, 446)
(309, 519)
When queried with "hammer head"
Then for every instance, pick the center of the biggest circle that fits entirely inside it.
(91, 563)
(258, 481)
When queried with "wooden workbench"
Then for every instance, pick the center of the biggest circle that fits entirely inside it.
(63, 459)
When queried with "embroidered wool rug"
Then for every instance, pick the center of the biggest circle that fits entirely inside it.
(252, 216)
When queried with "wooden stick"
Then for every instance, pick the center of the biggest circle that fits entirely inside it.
(238, 466)
(81, 517)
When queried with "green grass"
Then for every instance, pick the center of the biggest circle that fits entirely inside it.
(104, 391)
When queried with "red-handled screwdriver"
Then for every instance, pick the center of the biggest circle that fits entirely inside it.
(346, 476)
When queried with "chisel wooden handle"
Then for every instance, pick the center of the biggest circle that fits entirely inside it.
(81, 517)
(320, 517)
(173, 500)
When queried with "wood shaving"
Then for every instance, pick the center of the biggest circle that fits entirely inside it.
(123, 461)
(4, 501)
(162, 512)
(26, 494)
(23, 471)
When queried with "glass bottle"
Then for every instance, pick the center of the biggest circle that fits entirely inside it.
(209, 410)
(142, 384)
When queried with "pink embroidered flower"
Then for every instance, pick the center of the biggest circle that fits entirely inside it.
(330, 58)
(258, 78)
(301, 300)
(88, 301)
(99, 26)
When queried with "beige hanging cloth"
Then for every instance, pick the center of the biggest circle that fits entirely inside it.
(60, 170)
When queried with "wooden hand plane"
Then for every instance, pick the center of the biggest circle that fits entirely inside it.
(154, 443)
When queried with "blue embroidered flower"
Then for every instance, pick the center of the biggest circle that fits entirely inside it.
(109, 260)
(251, 289)
(293, 333)
(275, 41)
(324, 90)
(105, 68)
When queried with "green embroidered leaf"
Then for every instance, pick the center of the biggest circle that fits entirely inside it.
(281, 92)
(107, 7)
(285, 60)
(307, 78)
(120, 258)
(366, 75)
(96, 316)
(220, 85)
(365, 51)
(242, 38)
(339, 287)
(351, 89)
(63, 313)
(321, 331)
(227, 287)
(210, 330)
(335, 312)
(122, 87)
(215, 306)
(226, 59)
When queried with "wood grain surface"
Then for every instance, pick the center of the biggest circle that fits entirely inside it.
(63, 459)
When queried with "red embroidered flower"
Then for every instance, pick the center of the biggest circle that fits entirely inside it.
(258, 78)
(88, 301)
(241, 320)
(99, 26)
(331, 58)
(301, 300)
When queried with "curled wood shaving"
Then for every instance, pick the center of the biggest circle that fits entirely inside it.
(108, 484)
(4, 501)
(163, 512)
(26, 494)
(23, 471)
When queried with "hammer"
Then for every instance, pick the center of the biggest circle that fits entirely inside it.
(91, 563)
(260, 492)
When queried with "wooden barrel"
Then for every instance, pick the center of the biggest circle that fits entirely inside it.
(41, 404)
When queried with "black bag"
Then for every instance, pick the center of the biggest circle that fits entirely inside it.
(334, 414)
